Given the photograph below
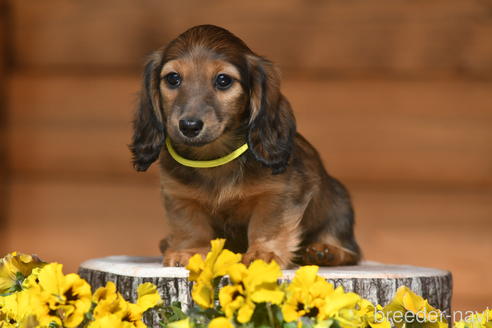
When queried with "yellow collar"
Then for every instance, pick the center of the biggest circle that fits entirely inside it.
(205, 164)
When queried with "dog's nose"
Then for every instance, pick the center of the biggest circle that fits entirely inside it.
(190, 127)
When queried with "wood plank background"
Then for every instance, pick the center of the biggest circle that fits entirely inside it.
(396, 95)
(3, 136)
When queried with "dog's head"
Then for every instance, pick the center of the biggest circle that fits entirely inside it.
(207, 83)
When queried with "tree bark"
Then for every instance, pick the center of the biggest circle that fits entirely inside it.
(373, 281)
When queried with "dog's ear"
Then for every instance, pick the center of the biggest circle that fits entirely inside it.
(272, 124)
(148, 125)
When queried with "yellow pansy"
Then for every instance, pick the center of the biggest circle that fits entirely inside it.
(372, 315)
(203, 272)
(185, 323)
(32, 280)
(108, 302)
(237, 273)
(261, 282)
(133, 314)
(220, 322)
(344, 308)
(224, 261)
(255, 284)
(107, 292)
(231, 298)
(195, 266)
(306, 294)
(14, 268)
(62, 299)
(109, 321)
(218, 260)
(246, 311)
(339, 300)
(111, 303)
(478, 320)
(148, 297)
(203, 290)
(405, 301)
(16, 310)
(349, 318)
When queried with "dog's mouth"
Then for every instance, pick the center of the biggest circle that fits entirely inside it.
(203, 138)
(196, 142)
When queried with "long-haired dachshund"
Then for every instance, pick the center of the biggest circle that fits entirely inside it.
(232, 164)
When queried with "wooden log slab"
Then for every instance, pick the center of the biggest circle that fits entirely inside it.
(374, 281)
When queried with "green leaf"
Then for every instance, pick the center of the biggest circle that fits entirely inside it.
(277, 312)
(335, 324)
(324, 324)
(292, 324)
(306, 322)
(53, 325)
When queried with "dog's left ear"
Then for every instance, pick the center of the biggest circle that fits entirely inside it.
(272, 123)
(148, 126)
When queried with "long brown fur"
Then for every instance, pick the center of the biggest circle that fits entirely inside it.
(276, 201)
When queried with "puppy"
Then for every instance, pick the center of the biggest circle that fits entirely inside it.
(207, 98)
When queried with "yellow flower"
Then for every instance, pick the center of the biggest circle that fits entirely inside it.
(185, 323)
(373, 316)
(62, 299)
(203, 290)
(203, 272)
(105, 293)
(32, 280)
(133, 314)
(339, 300)
(261, 282)
(220, 322)
(108, 302)
(309, 295)
(195, 266)
(478, 320)
(223, 262)
(256, 284)
(306, 294)
(148, 297)
(16, 310)
(109, 321)
(407, 301)
(111, 303)
(231, 298)
(218, 261)
(14, 268)
(237, 273)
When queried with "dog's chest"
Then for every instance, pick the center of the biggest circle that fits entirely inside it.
(217, 198)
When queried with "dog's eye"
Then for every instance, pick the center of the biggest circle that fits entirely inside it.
(173, 80)
(223, 81)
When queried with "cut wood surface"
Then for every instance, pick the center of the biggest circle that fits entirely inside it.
(342, 37)
(373, 281)
(366, 130)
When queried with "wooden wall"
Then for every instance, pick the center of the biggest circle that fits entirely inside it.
(3, 142)
(396, 95)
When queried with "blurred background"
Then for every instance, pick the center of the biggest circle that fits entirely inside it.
(395, 94)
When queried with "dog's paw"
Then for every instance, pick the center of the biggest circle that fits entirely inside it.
(323, 254)
(180, 258)
(267, 256)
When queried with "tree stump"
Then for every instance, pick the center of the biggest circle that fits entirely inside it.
(374, 281)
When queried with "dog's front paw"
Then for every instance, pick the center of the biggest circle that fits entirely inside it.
(265, 255)
(327, 255)
(180, 258)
